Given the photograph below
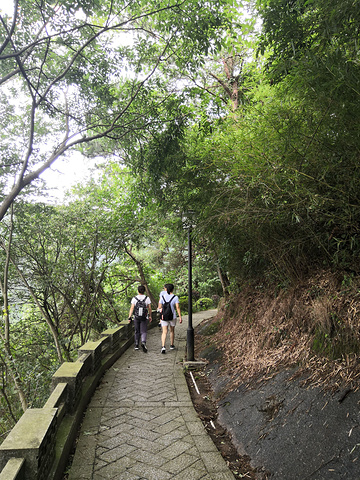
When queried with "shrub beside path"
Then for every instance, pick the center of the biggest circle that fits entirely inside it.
(141, 424)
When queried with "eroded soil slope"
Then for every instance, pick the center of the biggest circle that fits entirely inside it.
(284, 369)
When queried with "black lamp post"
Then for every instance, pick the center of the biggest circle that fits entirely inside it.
(188, 223)
(190, 329)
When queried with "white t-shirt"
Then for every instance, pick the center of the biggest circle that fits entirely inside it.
(140, 297)
(165, 297)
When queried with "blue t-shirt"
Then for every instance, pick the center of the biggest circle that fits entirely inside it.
(165, 297)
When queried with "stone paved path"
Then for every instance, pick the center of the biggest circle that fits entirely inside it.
(141, 424)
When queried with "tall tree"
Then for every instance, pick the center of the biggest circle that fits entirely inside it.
(75, 72)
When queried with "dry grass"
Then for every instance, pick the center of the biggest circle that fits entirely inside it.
(314, 327)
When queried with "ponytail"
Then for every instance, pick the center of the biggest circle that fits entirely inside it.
(169, 287)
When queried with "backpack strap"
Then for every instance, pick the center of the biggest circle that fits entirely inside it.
(138, 299)
(171, 299)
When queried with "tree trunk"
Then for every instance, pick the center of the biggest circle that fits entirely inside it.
(143, 281)
(225, 282)
(10, 364)
(46, 317)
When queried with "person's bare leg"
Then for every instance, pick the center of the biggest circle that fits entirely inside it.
(172, 335)
(163, 335)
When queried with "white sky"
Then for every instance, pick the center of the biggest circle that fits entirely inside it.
(64, 173)
(7, 6)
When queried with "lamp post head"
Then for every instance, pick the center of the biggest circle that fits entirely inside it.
(188, 218)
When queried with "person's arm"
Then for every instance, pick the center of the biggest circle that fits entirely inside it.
(177, 305)
(131, 311)
(150, 312)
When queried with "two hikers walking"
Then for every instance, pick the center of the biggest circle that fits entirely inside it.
(141, 309)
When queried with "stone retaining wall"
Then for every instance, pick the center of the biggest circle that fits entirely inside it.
(37, 448)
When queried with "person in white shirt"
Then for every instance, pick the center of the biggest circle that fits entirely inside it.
(141, 308)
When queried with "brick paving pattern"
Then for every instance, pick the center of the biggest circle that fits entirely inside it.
(141, 424)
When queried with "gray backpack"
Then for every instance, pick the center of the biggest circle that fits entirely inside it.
(140, 309)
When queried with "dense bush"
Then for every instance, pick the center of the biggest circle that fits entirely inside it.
(204, 304)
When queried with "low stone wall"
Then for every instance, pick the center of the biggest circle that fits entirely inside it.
(38, 447)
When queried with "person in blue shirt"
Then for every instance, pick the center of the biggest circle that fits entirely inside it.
(168, 296)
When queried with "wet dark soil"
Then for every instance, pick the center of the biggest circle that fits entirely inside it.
(207, 411)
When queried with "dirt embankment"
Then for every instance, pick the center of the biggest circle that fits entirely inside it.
(284, 368)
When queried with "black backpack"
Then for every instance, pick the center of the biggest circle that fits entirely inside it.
(140, 309)
(167, 314)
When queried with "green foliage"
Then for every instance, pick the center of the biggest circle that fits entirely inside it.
(336, 346)
(36, 360)
(36, 357)
(267, 160)
(184, 304)
(275, 186)
(204, 304)
(98, 70)
(309, 34)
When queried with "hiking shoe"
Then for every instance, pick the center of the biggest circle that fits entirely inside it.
(163, 350)
(144, 347)
(172, 347)
(136, 347)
